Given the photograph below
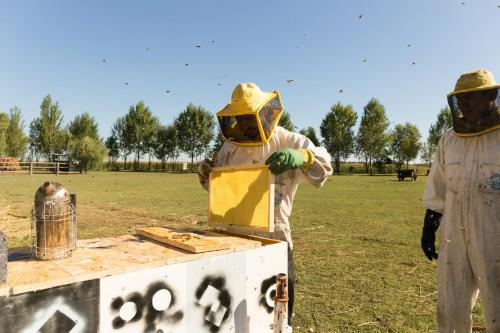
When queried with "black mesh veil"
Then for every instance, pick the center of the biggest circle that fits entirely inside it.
(475, 112)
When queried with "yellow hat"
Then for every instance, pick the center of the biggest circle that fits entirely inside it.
(479, 79)
(247, 98)
(483, 115)
(264, 110)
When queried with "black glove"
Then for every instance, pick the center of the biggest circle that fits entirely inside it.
(431, 224)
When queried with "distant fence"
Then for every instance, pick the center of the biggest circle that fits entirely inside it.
(378, 168)
(154, 166)
(31, 168)
(58, 168)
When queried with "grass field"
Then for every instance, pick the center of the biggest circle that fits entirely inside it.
(357, 252)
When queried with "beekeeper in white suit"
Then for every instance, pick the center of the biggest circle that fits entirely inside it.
(463, 195)
(249, 124)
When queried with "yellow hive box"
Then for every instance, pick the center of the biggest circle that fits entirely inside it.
(241, 198)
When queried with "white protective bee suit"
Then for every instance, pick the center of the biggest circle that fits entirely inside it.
(286, 183)
(249, 125)
(464, 186)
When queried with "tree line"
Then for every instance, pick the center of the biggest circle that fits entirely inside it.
(374, 143)
(140, 133)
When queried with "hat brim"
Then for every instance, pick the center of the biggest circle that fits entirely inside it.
(237, 108)
(497, 86)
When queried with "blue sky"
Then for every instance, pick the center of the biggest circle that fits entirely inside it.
(57, 48)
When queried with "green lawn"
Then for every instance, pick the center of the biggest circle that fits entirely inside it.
(357, 252)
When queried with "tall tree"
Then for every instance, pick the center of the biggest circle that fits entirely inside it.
(122, 138)
(338, 135)
(47, 133)
(443, 122)
(426, 154)
(372, 135)
(87, 152)
(16, 139)
(310, 133)
(34, 135)
(166, 144)
(286, 122)
(85, 147)
(141, 126)
(404, 143)
(195, 126)
(113, 147)
(84, 125)
(218, 142)
(4, 124)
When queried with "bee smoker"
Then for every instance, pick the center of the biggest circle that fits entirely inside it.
(53, 223)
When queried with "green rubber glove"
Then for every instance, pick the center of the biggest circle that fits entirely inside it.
(284, 160)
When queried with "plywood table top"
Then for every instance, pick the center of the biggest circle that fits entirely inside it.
(97, 258)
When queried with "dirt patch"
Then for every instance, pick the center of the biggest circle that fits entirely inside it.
(92, 221)
(371, 240)
(14, 222)
(95, 222)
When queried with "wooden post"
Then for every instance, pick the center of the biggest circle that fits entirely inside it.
(280, 305)
(3, 258)
(31, 168)
(57, 168)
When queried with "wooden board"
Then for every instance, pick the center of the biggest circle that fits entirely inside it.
(188, 241)
(242, 196)
(4, 290)
(237, 242)
(36, 275)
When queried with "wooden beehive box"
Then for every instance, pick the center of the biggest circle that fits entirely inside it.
(241, 201)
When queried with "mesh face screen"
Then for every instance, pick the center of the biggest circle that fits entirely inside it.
(476, 111)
